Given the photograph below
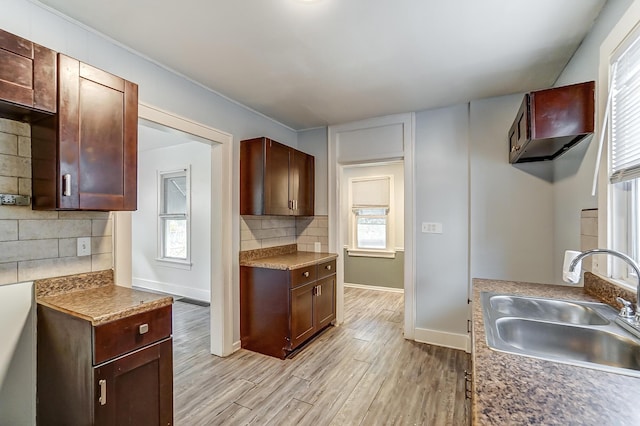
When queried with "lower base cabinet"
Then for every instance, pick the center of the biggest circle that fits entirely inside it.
(115, 374)
(281, 310)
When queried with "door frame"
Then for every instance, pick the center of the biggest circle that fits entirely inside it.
(224, 243)
(336, 227)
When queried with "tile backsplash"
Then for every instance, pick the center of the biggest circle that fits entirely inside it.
(258, 232)
(588, 235)
(42, 244)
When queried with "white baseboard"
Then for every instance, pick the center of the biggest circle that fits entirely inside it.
(375, 287)
(441, 338)
(178, 290)
(236, 346)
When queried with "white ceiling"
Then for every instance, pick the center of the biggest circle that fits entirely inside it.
(334, 61)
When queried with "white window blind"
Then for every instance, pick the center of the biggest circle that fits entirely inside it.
(373, 192)
(625, 116)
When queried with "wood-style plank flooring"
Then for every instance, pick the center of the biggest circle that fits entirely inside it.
(361, 373)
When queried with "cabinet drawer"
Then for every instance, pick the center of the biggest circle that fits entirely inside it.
(127, 334)
(326, 268)
(303, 275)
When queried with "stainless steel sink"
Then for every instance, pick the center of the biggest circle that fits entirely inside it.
(548, 309)
(571, 332)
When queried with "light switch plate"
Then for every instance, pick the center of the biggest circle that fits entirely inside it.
(84, 246)
(431, 228)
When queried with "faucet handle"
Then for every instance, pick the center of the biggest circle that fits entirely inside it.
(627, 308)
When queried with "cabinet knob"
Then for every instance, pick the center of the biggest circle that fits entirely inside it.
(306, 274)
(144, 328)
(328, 267)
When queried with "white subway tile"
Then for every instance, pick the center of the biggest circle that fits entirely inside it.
(247, 235)
(67, 247)
(15, 127)
(48, 268)
(252, 223)
(24, 146)
(38, 229)
(74, 228)
(8, 273)
(101, 228)
(8, 230)
(589, 213)
(25, 212)
(101, 262)
(24, 186)
(318, 232)
(12, 251)
(8, 144)
(8, 185)
(589, 226)
(10, 165)
(85, 215)
(101, 245)
(250, 245)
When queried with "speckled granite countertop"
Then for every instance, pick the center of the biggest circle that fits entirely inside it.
(288, 261)
(516, 390)
(93, 298)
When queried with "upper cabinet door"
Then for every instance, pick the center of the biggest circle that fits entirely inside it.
(302, 183)
(96, 139)
(277, 199)
(27, 77)
(275, 179)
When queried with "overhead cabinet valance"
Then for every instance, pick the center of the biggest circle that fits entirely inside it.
(551, 121)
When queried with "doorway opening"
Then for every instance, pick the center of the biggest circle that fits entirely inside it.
(214, 240)
(372, 215)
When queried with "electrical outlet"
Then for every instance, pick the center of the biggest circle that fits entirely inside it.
(84, 246)
(431, 228)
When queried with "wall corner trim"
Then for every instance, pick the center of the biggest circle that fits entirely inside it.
(443, 338)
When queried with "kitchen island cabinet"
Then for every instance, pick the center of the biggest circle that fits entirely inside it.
(286, 300)
(104, 357)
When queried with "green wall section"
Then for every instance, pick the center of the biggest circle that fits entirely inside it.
(374, 271)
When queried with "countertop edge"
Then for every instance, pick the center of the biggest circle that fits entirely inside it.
(111, 316)
(276, 262)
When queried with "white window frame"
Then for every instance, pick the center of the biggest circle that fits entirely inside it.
(171, 261)
(353, 249)
(613, 228)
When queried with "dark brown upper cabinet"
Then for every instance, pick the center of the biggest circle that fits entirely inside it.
(551, 121)
(85, 157)
(27, 79)
(275, 179)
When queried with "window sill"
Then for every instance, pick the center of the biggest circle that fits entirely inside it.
(174, 263)
(617, 282)
(387, 254)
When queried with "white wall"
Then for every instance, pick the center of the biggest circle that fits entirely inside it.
(574, 170)
(147, 271)
(442, 195)
(314, 142)
(511, 211)
(397, 209)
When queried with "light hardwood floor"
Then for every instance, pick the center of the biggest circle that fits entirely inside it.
(361, 373)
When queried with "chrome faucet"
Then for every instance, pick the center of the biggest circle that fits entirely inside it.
(626, 316)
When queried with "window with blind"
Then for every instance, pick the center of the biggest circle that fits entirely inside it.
(624, 152)
(173, 216)
(370, 207)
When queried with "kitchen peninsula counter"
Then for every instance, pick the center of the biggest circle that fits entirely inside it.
(511, 389)
(95, 298)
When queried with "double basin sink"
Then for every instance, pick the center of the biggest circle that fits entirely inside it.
(571, 332)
